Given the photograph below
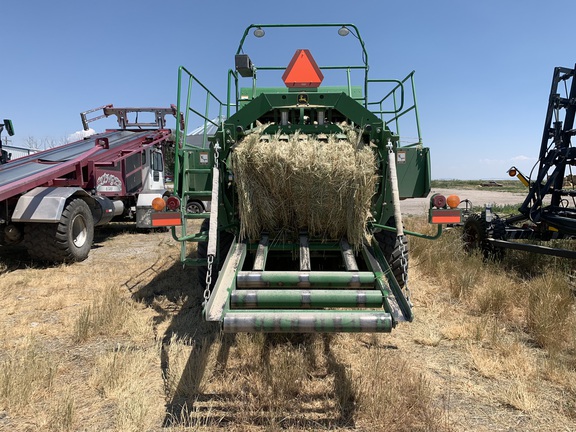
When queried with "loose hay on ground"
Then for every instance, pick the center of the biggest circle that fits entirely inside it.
(324, 188)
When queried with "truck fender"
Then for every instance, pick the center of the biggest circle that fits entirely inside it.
(46, 204)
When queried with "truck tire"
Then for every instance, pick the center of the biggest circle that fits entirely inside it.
(390, 244)
(224, 243)
(69, 240)
(194, 207)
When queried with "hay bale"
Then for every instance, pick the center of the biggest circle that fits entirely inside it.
(324, 188)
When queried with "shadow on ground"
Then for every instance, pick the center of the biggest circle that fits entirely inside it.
(175, 295)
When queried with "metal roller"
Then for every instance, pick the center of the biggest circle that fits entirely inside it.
(305, 279)
(307, 322)
(293, 299)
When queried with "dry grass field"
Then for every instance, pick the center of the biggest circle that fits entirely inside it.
(116, 343)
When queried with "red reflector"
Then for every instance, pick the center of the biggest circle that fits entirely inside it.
(173, 203)
(442, 216)
(302, 71)
(438, 200)
(166, 219)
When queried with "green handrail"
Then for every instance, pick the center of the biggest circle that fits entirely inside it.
(399, 111)
(400, 84)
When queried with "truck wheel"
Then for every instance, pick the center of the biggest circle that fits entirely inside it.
(224, 243)
(69, 240)
(194, 207)
(390, 244)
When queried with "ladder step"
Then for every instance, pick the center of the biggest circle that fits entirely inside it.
(199, 193)
(198, 170)
(196, 215)
(195, 262)
(295, 299)
(307, 321)
(199, 237)
(304, 279)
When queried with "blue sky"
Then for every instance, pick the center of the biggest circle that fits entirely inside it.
(483, 68)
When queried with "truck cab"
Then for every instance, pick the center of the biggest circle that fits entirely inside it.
(153, 185)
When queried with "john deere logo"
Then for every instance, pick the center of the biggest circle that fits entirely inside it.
(303, 98)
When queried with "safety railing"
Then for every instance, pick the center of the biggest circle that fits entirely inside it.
(397, 99)
(195, 101)
(186, 84)
(348, 29)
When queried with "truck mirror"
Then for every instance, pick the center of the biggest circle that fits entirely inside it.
(9, 127)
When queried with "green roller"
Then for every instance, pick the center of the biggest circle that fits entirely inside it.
(305, 279)
(292, 299)
(275, 321)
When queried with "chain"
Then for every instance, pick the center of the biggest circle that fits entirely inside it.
(211, 257)
(208, 279)
(404, 264)
(216, 153)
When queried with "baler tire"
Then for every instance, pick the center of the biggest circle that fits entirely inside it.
(69, 240)
(390, 244)
(225, 240)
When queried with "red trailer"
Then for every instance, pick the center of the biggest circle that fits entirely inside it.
(52, 200)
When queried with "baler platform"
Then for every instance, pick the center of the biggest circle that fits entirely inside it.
(363, 297)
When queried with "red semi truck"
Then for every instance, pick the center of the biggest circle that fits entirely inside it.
(51, 201)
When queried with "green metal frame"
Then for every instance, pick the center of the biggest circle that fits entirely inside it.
(363, 67)
(279, 305)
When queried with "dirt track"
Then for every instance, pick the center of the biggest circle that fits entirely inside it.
(418, 206)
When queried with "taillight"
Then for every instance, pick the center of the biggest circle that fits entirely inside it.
(173, 203)
(453, 201)
(440, 213)
(158, 204)
(438, 201)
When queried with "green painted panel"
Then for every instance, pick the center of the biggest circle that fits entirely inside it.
(413, 170)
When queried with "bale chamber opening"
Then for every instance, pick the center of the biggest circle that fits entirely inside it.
(295, 183)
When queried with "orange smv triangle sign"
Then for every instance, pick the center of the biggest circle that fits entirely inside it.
(302, 71)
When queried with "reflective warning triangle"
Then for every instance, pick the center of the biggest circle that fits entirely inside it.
(302, 71)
